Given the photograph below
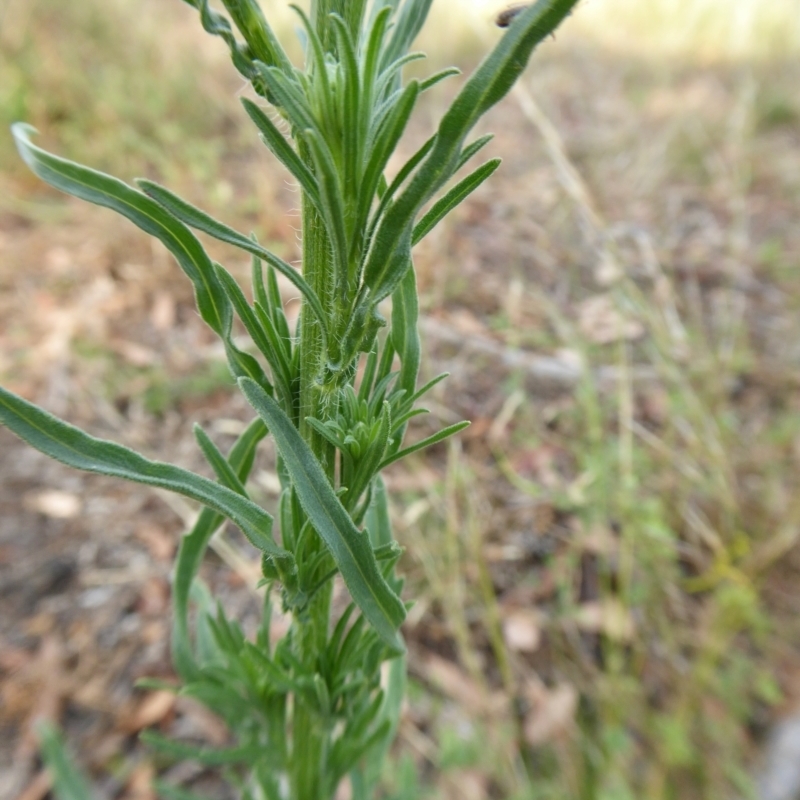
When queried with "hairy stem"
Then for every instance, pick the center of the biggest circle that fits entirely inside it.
(310, 734)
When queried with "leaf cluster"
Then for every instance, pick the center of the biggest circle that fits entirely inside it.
(334, 124)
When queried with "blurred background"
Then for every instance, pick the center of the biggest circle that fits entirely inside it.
(606, 561)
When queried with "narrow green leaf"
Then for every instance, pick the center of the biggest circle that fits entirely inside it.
(437, 437)
(350, 548)
(427, 387)
(257, 32)
(222, 469)
(68, 782)
(490, 82)
(472, 148)
(389, 712)
(379, 392)
(498, 72)
(276, 312)
(463, 189)
(217, 25)
(332, 206)
(437, 77)
(371, 459)
(166, 791)
(289, 97)
(210, 756)
(326, 432)
(388, 88)
(257, 280)
(350, 108)
(255, 329)
(399, 423)
(317, 68)
(385, 365)
(409, 23)
(369, 63)
(378, 522)
(383, 146)
(354, 15)
(371, 51)
(348, 752)
(368, 376)
(193, 546)
(103, 190)
(385, 278)
(279, 356)
(203, 222)
(279, 680)
(405, 335)
(405, 338)
(283, 151)
(243, 365)
(73, 447)
(398, 180)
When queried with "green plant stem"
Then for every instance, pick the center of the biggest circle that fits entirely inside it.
(308, 756)
(314, 402)
(310, 735)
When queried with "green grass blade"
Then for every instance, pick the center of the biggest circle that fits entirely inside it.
(73, 447)
(463, 189)
(68, 782)
(103, 190)
(350, 548)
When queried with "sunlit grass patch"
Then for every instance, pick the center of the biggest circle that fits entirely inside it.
(693, 29)
(100, 78)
